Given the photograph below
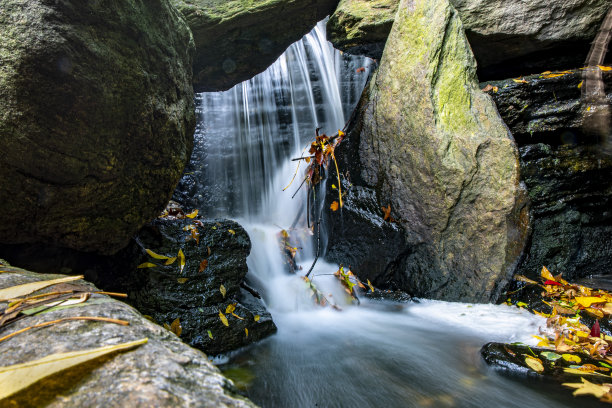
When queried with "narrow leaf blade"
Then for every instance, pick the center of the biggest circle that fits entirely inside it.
(27, 288)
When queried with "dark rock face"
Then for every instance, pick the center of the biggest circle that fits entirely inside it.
(236, 40)
(97, 118)
(434, 149)
(164, 292)
(508, 38)
(164, 372)
(567, 170)
(193, 296)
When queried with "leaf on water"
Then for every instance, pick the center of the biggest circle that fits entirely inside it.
(587, 301)
(588, 388)
(222, 290)
(146, 265)
(170, 261)
(20, 376)
(182, 280)
(525, 279)
(192, 214)
(231, 231)
(223, 318)
(534, 363)
(549, 355)
(334, 206)
(230, 308)
(156, 255)
(370, 286)
(27, 288)
(203, 265)
(246, 332)
(181, 258)
(546, 275)
(571, 358)
(176, 328)
(210, 334)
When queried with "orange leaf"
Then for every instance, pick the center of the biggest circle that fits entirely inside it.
(334, 206)
(387, 212)
(203, 265)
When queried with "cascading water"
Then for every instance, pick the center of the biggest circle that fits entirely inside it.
(378, 354)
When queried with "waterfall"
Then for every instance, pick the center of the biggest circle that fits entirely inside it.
(377, 354)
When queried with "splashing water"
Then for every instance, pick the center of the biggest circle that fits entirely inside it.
(380, 353)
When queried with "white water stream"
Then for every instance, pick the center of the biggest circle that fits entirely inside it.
(378, 354)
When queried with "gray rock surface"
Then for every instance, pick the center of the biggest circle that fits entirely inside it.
(162, 373)
(97, 118)
(237, 39)
(508, 38)
(434, 148)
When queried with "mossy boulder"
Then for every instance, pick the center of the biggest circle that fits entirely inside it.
(96, 121)
(508, 38)
(435, 150)
(362, 26)
(164, 372)
(237, 39)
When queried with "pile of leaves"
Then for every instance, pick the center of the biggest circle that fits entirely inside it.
(567, 309)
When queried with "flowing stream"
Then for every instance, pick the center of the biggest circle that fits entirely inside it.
(377, 354)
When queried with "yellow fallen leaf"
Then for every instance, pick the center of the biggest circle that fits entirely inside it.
(519, 80)
(588, 388)
(534, 363)
(176, 327)
(20, 376)
(182, 280)
(146, 265)
(604, 68)
(256, 318)
(231, 231)
(580, 85)
(222, 290)
(230, 308)
(246, 332)
(607, 308)
(156, 255)
(223, 318)
(170, 261)
(571, 358)
(334, 206)
(587, 301)
(370, 286)
(192, 214)
(27, 288)
(546, 274)
(237, 317)
(181, 258)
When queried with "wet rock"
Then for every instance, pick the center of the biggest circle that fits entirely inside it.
(97, 119)
(164, 372)
(508, 38)
(194, 296)
(235, 40)
(361, 27)
(433, 147)
(547, 108)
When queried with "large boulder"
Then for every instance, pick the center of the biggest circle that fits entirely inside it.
(237, 39)
(96, 121)
(508, 38)
(164, 372)
(435, 150)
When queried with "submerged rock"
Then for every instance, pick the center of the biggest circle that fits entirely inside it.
(435, 150)
(97, 119)
(235, 40)
(164, 372)
(507, 38)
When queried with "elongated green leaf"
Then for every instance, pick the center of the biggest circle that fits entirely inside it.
(20, 376)
(27, 288)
